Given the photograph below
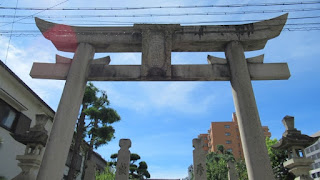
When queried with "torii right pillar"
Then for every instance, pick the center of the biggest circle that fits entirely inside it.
(253, 142)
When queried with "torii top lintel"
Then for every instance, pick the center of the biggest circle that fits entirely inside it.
(211, 38)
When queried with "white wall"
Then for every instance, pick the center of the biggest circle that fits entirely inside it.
(10, 148)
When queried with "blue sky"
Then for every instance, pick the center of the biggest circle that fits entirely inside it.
(162, 118)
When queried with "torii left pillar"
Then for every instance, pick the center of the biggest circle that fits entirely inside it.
(53, 163)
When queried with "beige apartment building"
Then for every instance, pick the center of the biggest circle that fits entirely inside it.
(226, 134)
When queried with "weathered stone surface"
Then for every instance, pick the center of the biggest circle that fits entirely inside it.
(35, 140)
(156, 43)
(199, 159)
(90, 171)
(217, 60)
(253, 140)
(52, 165)
(64, 60)
(187, 38)
(36, 135)
(232, 172)
(293, 138)
(294, 143)
(156, 50)
(212, 72)
(123, 160)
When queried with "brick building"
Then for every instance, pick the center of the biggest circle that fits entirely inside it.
(206, 141)
(227, 134)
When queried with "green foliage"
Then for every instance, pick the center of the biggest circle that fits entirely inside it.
(217, 165)
(277, 157)
(135, 171)
(134, 157)
(107, 174)
(100, 115)
(94, 122)
(90, 94)
(114, 156)
(241, 169)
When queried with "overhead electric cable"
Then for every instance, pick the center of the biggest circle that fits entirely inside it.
(166, 14)
(5, 61)
(288, 24)
(39, 34)
(169, 7)
(34, 13)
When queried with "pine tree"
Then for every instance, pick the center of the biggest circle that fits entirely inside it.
(98, 129)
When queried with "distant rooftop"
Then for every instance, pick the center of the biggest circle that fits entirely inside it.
(316, 134)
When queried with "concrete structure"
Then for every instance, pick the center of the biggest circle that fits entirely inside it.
(313, 152)
(254, 146)
(18, 108)
(90, 172)
(227, 134)
(232, 172)
(123, 160)
(156, 42)
(199, 160)
(62, 131)
(294, 143)
(35, 140)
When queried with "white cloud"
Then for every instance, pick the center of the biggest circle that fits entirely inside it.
(145, 97)
(20, 60)
(176, 95)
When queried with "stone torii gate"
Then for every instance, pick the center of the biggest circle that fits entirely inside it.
(156, 42)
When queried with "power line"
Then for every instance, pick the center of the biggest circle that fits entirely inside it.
(131, 23)
(168, 7)
(34, 14)
(175, 15)
(5, 61)
(288, 24)
(39, 34)
(108, 22)
(185, 23)
(34, 32)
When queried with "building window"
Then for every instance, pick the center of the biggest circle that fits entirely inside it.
(228, 142)
(8, 115)
(227, 126)
(227, 134)
(230, 149)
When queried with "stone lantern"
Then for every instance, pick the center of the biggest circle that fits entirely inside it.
(294, 143)
(35, 140)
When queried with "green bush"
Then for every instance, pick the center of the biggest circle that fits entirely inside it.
(107, 174)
